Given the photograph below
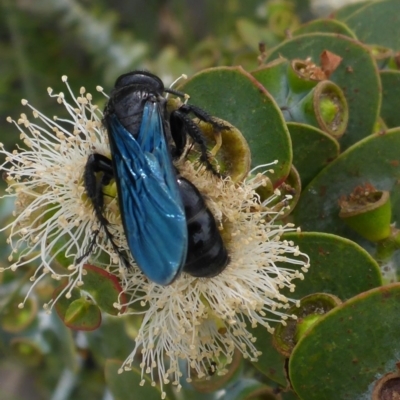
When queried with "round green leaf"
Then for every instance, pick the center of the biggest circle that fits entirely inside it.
(63, 302)
(234, 95)
(271, 362)
(337, 266)
(350, 348)
(377, 23)
(76, 312)
(357, 76)
(310, 143)
(349, 9)
(274, 77)
(289, 395)
(105, 343)
(104, 288)
(82, 315)
(390, 98)
(324, 25)
(374, 160)
(247, 389)
(124, 385)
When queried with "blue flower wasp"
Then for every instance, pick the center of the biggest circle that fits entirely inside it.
(165, 219)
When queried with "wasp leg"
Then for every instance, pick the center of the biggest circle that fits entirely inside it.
(187, 126)
(182, 125)
(202, 115)
(96, 165)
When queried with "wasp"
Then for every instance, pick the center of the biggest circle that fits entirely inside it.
(166, 222)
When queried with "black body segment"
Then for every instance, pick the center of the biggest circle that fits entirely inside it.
(207, 255)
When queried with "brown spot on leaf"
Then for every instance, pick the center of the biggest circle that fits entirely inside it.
(322, 191)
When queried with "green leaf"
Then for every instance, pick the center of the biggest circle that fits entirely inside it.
(271, 362)
(104, 288)
(357, 76)
(310, 143)
(246, 389)
(324, 25)
(124, 385)
(75, 311)
(234, 95)
(348, 349)
(349, 9)
(274, 77)
(337, 266)
(82, 315)
(390, 98)
(290, 395)
(112, 340)
(377, 23)
(374, 160)
(63, 302)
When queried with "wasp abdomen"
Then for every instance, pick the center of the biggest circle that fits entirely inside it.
(207, 255)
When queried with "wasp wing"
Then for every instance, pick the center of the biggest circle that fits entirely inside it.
(150, 204)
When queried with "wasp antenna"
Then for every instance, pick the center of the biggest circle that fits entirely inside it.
(176, 92)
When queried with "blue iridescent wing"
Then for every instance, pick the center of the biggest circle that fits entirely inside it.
(151, 207)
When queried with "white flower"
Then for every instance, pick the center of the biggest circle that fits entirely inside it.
(53, 217)
(202, 321)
